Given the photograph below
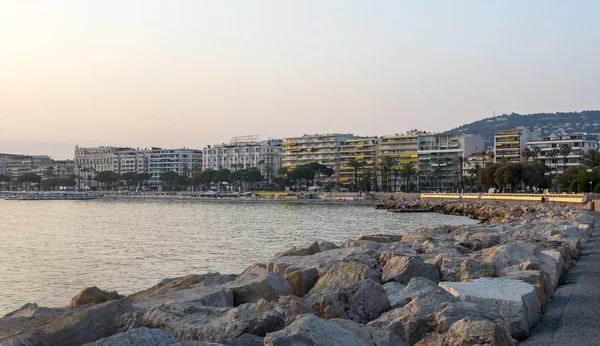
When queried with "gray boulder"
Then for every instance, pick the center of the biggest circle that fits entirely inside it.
(93, 295)
(137, 337)
(303, 250)
(193, 321)
(394, 294)
(402, 269)
(309, 330)
(341, 275)
(361, 302)
(374, 336)
(302, 281)
(471, 269)
(251, 288)
(516, 299)
(31, 325)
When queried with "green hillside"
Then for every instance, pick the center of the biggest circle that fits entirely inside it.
(547, 123)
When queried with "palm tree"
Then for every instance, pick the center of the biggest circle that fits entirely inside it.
(591, 158)
(535, 151)
(527, 154)
(395, 173)
(564, 151)
(408, 172)
(356, 165)
(459, 170)
(387, 162)
(426, 165)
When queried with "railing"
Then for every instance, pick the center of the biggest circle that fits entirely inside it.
(563, 198)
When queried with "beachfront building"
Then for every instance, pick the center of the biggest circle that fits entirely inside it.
(360, 152)
(477, 160)
(441, 157)
(181, 161)
(320, 148)
(129, 160)
(91, 160)
(401, 149)
(17, 165)
(509, 145)
(546, 150)
(3, 158)
(245, 152)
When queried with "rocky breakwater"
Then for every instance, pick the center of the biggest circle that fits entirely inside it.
(480, 284)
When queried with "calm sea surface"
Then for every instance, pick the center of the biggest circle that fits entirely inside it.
(50, 250)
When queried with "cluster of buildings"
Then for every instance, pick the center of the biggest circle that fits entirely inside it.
(439, 156)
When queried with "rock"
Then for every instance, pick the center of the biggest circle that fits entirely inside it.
(185, 282)
(255, 269)
(312, 330)
(324, 246)
(93, 295)
(453, 312)
(245, 340)
(304, 250)
(127, 322)
(251, 288)
(361, 302)
(414, 320)
(471, 269)
(208, 296)
(137, 337)
(376, 238)
(193, 321)
(516, 299)
(367, 244)
(341, 275)
(291, 307)
(403, 269)
(394, 294)
(538, 279)
(302, 281)
(324, 260)
(374, 336)
(31, 325)
(471, 332)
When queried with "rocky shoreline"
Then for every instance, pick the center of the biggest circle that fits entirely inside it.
(451, 285)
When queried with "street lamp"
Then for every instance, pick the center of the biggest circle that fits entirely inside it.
(589, 170)
(548, 175)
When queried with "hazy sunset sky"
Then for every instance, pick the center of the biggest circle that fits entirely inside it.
(192, 73)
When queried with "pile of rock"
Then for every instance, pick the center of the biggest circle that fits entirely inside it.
(481, 284)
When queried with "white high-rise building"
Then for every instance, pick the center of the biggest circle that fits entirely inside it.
(244, 152)
(181, 161)
(579, 144)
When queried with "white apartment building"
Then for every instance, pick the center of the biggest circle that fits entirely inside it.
(323, 149)
(510, 144)
(363, 150)
(245, 152)
(578, 143)
(181, 161)
(3, 158)
(439, 157)
(154, 161)
(89, 161)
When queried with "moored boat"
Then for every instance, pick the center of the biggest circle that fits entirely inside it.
(49, 196)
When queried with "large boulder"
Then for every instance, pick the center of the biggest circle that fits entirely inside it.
(137, 337)
(251, 288)
(416, 318)
(538, 279)
(516, 299)
(394, 294)
(470, 332)
(193, 321)
(207, 289)
(324, 260)
(31, 325)
(93, 295)
(403, 268)
(302, 250)
(311, 330)
(291, 307)
(374, 336)
(341, 275)
(453, 312)
(302, 281)
(508, 257)
(471, 269)
(361, 302)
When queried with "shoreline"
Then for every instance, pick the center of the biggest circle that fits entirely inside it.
(517, 252)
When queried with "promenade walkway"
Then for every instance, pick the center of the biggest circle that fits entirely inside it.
(573, 314)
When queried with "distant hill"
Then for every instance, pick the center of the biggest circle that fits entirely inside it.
(547, 123)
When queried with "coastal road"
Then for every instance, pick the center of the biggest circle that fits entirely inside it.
(573, 314)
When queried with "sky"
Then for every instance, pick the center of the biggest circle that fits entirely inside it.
(181, 73)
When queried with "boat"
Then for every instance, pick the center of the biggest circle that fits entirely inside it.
(51, 196)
